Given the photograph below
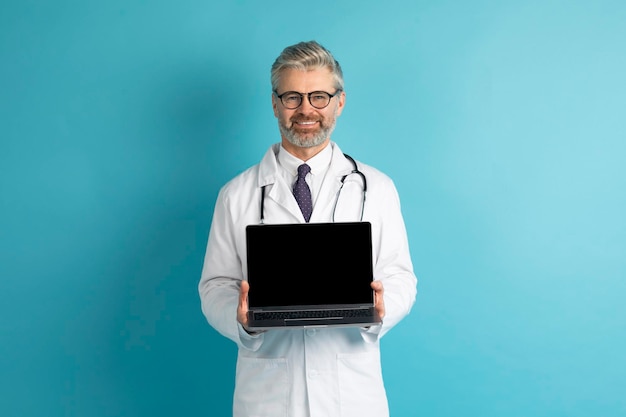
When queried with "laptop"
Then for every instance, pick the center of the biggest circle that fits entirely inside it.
(310, 275)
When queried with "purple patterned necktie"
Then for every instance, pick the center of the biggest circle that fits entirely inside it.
(302, 192)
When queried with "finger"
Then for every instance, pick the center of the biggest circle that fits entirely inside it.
(245, 287)
(243, 295)
(379, 302)
(242, 308)
(378, 287)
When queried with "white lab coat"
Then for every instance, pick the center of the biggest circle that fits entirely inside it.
(328, 372)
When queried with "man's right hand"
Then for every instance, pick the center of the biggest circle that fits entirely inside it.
(242, 308)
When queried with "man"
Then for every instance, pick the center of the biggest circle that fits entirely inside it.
(306, 372)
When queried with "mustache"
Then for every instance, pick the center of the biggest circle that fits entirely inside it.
(299, 119)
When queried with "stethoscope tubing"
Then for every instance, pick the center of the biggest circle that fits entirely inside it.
(355, 170)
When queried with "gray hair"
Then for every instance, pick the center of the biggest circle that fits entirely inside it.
(305, 56)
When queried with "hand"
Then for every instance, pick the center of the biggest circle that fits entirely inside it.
(242, 308)
(379, 302)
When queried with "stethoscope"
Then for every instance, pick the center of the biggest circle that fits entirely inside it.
(343, 179)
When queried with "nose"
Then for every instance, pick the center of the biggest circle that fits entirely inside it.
(305, 106)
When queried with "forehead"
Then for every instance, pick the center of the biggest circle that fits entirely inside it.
(306, 81)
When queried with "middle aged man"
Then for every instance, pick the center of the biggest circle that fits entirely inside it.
(306, 372)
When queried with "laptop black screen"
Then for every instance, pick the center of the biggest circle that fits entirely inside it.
(309, 264)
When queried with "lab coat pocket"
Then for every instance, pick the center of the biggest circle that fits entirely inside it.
(361, 387)
(262, 387)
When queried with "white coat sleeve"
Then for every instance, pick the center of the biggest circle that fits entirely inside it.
(393, 266)
(221, 278)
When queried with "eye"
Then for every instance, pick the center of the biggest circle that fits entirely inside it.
(319, 96)
(291, 98)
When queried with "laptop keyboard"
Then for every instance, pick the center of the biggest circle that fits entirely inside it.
(312, 314)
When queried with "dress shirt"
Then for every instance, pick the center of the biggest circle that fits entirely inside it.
(319, 167)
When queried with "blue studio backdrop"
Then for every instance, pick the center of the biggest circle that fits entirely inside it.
(502, 123)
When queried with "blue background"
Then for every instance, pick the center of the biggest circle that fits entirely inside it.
(502, 123)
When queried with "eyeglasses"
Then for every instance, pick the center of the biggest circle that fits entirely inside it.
(318, 99)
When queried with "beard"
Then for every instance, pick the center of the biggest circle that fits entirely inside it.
(307, 139)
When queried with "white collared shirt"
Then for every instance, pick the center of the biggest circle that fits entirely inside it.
(319, 167)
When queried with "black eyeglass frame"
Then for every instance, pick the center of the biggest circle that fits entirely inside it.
(330, 97)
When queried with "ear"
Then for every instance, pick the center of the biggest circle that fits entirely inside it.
(275, 105)
(340, 103)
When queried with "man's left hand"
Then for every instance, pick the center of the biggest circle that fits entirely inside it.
(379, 302)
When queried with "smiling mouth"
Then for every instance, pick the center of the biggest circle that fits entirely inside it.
(305, 123)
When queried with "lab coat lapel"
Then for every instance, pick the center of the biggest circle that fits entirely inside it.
(276, 190)
(339, 166)
(282, 195)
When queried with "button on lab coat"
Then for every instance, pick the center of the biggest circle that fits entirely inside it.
(324, 372)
